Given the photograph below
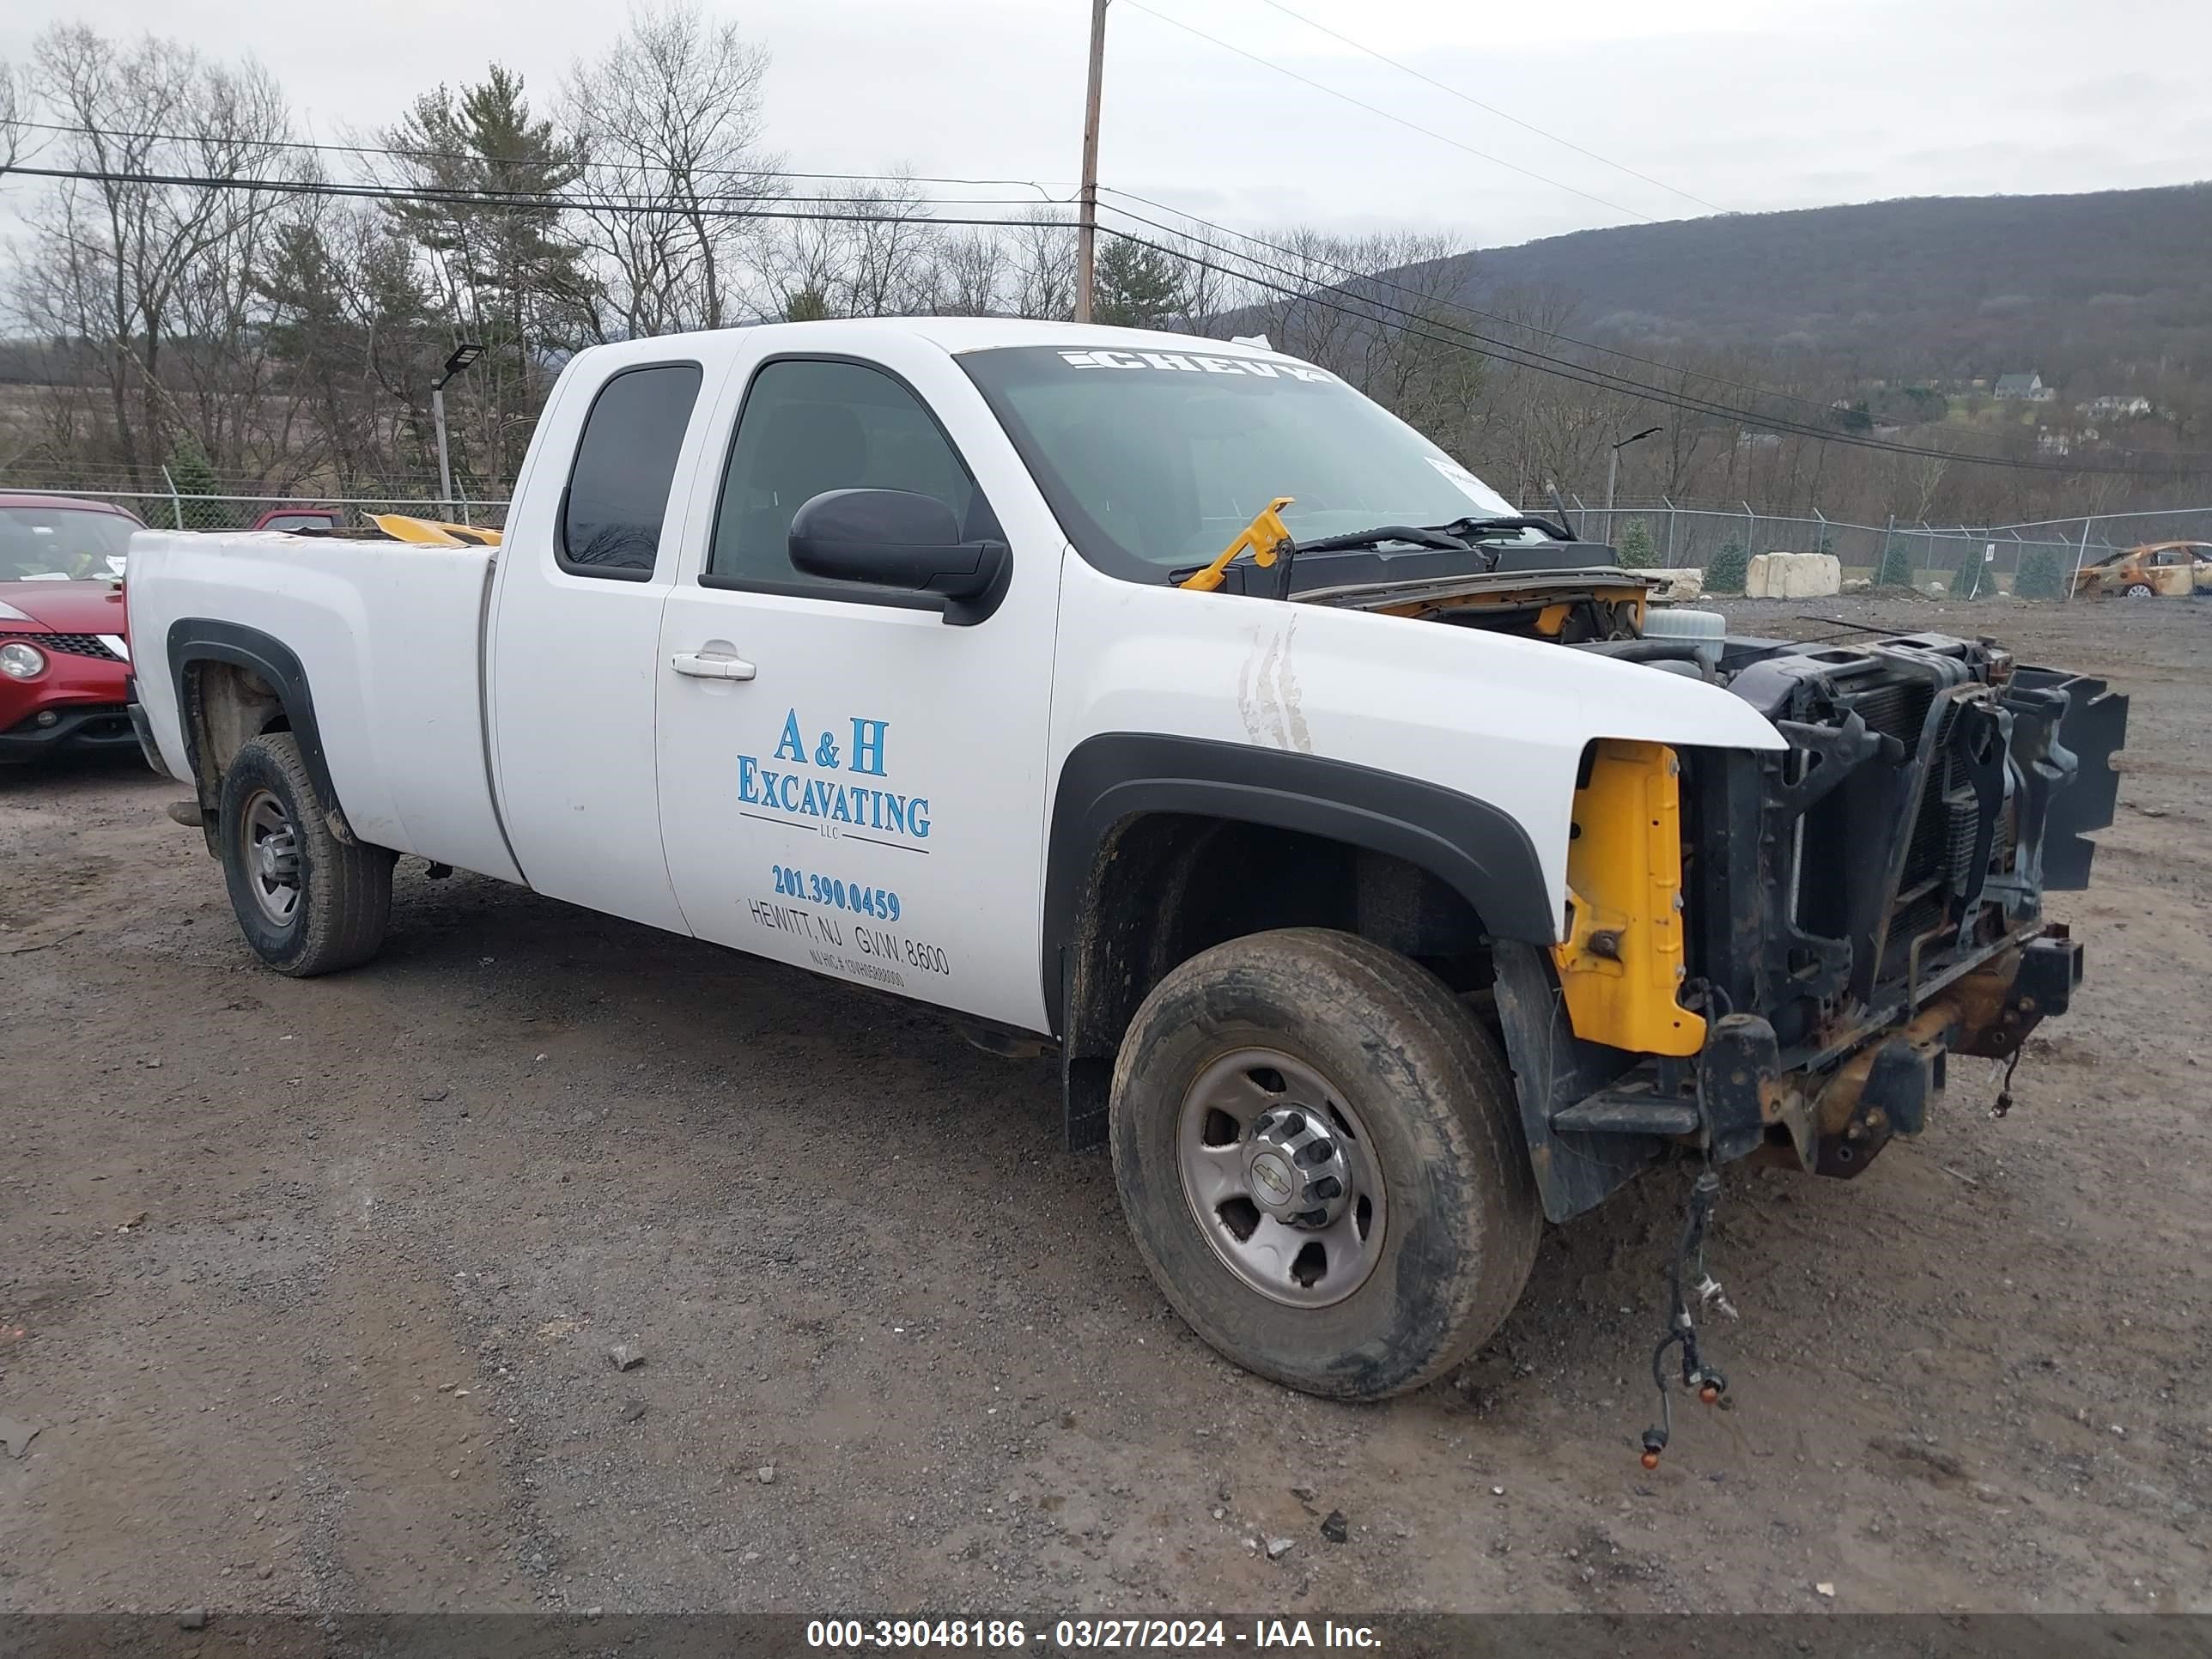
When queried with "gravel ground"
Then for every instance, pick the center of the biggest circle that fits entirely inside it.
(308, 1288)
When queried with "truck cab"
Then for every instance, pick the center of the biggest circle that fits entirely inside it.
(1388, 874)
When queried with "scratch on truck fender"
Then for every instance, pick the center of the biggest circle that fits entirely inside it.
(1268, 697)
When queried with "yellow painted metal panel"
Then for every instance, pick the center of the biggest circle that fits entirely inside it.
(1623, 964)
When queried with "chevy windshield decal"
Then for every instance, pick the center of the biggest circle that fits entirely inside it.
(1187, 362)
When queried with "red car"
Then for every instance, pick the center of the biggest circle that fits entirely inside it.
(64, 660)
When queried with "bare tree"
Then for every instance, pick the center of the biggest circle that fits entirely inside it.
(15, 100)
(156, 274)
(668, 122)
(972, 270)
(872, 252)
(891, 267)
(1042, 247)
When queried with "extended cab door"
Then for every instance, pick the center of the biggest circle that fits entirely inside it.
(586, 563)
(847, 782)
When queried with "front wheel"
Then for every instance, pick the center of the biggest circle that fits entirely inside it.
(307, 902)
(1320, 1156)
(2139, 591)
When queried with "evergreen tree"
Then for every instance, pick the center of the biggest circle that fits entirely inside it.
(1973, 580)
(807, 305)
(2041, 575)
(1635, 551)
(191, 476)
(509, 268)
(1896, 565)
(1136, 286)
(1725, 570)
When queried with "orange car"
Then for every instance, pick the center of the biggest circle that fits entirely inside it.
(2156, 570)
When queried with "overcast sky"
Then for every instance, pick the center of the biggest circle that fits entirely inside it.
(1746, 103)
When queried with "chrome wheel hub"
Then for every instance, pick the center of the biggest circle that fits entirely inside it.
(1281, 1178)
(272, 846)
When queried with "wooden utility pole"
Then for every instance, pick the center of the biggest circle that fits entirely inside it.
(1086, 224)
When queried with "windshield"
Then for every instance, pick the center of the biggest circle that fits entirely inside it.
(1154, 460)
(50, 541)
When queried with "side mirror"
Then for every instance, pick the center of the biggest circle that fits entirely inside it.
(898, 538)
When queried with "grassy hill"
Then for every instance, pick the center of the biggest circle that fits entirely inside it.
(2100, 285)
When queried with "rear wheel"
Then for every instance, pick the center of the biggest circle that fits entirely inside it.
(307, 902)
(1319, 1154)
(2139, 590)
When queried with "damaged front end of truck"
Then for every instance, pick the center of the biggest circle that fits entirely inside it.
(1775, 955)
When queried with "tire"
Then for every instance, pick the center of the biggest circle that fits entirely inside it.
(341, 892)
(2140, 591)
(1418, 1089)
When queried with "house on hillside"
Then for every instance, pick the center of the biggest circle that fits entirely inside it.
(2116, 408)
(2024, 388)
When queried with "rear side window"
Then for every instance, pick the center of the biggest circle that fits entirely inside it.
(618, 494)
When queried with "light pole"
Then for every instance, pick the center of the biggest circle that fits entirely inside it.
(1612, 474)
(464, 355)
(1086, 223)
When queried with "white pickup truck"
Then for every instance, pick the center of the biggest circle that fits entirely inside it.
(1388, 874)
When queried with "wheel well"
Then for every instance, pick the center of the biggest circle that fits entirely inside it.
(1164, 886)
(224, 707)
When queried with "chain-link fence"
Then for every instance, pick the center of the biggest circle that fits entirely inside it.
(176, 510)
(1966, 558)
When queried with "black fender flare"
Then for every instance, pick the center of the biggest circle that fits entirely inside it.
(206, 639)
(1481, 851)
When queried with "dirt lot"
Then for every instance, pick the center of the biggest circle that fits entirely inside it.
(308, 1288)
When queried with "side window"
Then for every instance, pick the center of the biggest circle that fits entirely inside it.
(808, 427)
(617, 495)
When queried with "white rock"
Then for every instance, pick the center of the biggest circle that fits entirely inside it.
(1793, 576)
(1678, 584)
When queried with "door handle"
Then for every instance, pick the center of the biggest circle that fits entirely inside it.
(711, 666)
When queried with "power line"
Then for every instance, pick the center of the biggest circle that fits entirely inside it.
(528, 199)
(1502, 115)
(1388, 115)
(1467, 340)
(1559, 367)
(360, 151)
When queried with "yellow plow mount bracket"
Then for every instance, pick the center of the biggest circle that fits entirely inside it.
(1267, 538)
(431, 532)
(1622, 966)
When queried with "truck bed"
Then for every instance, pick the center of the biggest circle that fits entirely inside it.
(392, 637)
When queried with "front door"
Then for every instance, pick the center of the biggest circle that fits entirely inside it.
(849, 782)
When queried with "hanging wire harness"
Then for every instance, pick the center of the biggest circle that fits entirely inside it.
(1698, 1377)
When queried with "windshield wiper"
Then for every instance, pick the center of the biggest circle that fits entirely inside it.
(1467, 527)
(1386, 533)
(1457, 537)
